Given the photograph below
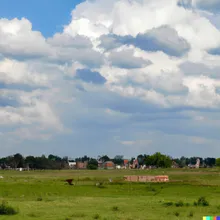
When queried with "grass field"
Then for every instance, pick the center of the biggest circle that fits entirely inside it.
(45, 195)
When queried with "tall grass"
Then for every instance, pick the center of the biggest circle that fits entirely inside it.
(6, 209)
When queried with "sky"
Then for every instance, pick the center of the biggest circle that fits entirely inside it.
(115, 77)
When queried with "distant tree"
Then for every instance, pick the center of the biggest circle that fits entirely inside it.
(177, 161)
(193, 160)
(92, 164)
(158, 160)
(183, 162)
(132, 160)
(18, 160)
(30, 162)
(217, 162)
(118, 160)
(54, 157)
(210, 161)
(82, 159)
(140, 159)
(104, 158)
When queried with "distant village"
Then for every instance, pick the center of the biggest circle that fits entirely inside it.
(144, 161)
(126, 165)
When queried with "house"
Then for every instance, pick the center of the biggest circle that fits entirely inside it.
(100, 164)
(174, 164)
(72, 164)
(81, 165)
(126, 163)
(197, 165)
(108, 165)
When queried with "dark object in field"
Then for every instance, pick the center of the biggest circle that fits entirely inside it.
(69, 181)
(5, 209)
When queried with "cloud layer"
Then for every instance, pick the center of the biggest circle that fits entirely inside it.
(123, 77)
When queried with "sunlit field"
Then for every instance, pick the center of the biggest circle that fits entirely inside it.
(46, 195)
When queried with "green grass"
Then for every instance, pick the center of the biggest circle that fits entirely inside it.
(45, 195)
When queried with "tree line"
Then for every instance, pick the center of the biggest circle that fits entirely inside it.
(56, 162)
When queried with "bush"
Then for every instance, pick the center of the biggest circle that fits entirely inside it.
(100, 185)
(176, 214)
(195, 204)
(39, 199)
(115, 208)
(202, 202)
(96, 216)
(179, 204)
(168, 203)
(92, 167)
(190, 214)
(5, 209)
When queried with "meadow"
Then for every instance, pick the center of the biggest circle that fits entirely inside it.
(45, 195)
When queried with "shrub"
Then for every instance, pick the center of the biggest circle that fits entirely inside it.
(179, 204)
(92, 167)
(168, 203)
(195, 204)
(78, 215)
(100, 185)
(39, 199)
(187, 204)
(190, 214)
(115, 208)
(5, 209)
(96, 216)
(176, 214)
(203, 202)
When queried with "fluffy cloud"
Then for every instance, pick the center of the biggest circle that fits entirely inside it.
(15, 72)
(17, 39)
(118, 69)
(162, 38)
(211, 6)
(65, 40)
(125, 59)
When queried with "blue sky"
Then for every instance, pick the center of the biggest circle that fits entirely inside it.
(110, 77)
(45, 16)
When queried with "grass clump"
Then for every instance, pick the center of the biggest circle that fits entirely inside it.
(96, 216)
(5, 209)
(190, 215)
(201, 202)
(179, 204)
(115, 208)
(32, 215)
(100, 185)
(176, 214)
(168, 203)
(78, 215)
(39, 199)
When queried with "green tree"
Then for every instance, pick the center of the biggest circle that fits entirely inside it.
(158, 160)
(92, 164)
(30, 161)
(209, 161)
(217, 162)
(104, 158)
(140, 159)
(18, 160)
(118, 160)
